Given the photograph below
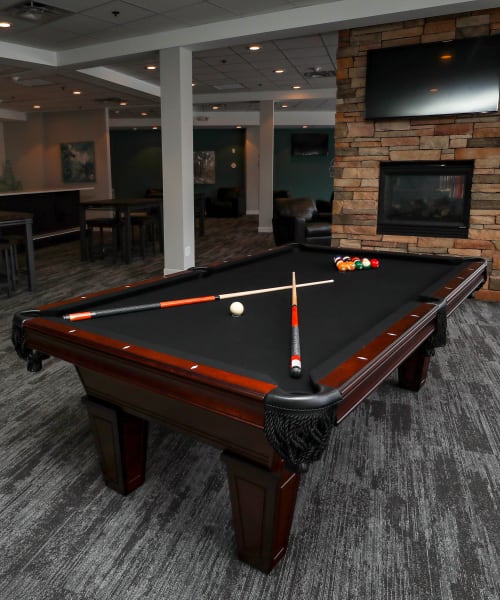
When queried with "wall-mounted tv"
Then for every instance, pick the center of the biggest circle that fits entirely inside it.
(309, 144)
(440, 78)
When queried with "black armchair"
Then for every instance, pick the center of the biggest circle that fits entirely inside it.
(229, 202)
(298, 220)
(325, 206)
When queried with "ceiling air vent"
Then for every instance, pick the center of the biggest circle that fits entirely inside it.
(228, 86)
(109, 100)
(318, 72)
(31, 82)
(36, 12)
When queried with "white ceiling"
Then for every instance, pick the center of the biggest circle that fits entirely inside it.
(102, 47)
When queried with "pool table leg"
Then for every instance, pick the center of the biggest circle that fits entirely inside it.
(121, 441)
(412, 373)
(263, 502)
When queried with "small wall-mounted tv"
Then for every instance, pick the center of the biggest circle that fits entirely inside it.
(309, 144)
(440, 78)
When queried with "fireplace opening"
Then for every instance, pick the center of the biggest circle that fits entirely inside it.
(429, 199)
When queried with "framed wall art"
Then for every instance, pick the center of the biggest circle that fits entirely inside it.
(204, 166)
(78, 162)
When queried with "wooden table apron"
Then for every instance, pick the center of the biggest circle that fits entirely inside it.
(120, 206)
(19, 219)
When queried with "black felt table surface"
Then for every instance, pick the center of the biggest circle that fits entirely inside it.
(335, 319)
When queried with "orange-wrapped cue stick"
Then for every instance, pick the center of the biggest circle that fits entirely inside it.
(106, 312)
(295, 358)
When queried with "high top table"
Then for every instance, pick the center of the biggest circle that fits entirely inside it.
(14, 219)
(120, 206)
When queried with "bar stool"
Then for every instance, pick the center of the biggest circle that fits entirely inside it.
(101, 223)
(147, 224)
(14, 241)
(7, 281)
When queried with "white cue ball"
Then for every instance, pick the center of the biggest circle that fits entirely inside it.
(237, 309)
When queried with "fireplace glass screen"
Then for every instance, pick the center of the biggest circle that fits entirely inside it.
(425, 198)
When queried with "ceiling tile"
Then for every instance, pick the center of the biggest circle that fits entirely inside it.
(253, 7)
(126, 12)
(80, 24)
(73, 5)
(162, 6)
(197, 14)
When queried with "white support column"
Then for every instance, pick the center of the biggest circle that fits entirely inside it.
(177, 158)
(266, 166)
(2, 149)
(252, 170)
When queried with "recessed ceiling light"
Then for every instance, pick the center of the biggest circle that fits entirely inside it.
(296, 87)
(5, 24)
(150, 67)
(123, 103)
(284, 106)
(215, 107)
(254, 47)
(36, 106)
(433, 90)
(239, 126)
(154, 128)
(193, 84)
(305, 126)
(446, 56)
(278, 71)
(76, 92)
(144, 114)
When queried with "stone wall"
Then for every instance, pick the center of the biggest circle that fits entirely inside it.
(360, 145)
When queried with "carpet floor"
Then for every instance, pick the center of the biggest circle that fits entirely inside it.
(404, 505)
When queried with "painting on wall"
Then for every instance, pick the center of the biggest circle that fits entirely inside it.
(204, 166)
(78, 162)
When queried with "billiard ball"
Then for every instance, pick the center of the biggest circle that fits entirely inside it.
(237, 309)
(375, 263)
(366, 263)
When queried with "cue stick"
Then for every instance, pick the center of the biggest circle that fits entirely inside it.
(295, 359)
(106, 312)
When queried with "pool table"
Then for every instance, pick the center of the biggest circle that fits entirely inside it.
(226, 380)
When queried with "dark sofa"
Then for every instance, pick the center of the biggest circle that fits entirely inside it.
(298, 220)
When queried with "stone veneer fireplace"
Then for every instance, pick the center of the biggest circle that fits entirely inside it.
(425, 198)
(362, 146)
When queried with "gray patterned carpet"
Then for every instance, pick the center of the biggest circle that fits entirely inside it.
(403, 506)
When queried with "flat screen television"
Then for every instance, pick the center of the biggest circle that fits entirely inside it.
(440, 78)
(309, 144)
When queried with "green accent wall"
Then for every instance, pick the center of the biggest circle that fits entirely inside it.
(302, 175)
(229, 147)
(136, 162)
